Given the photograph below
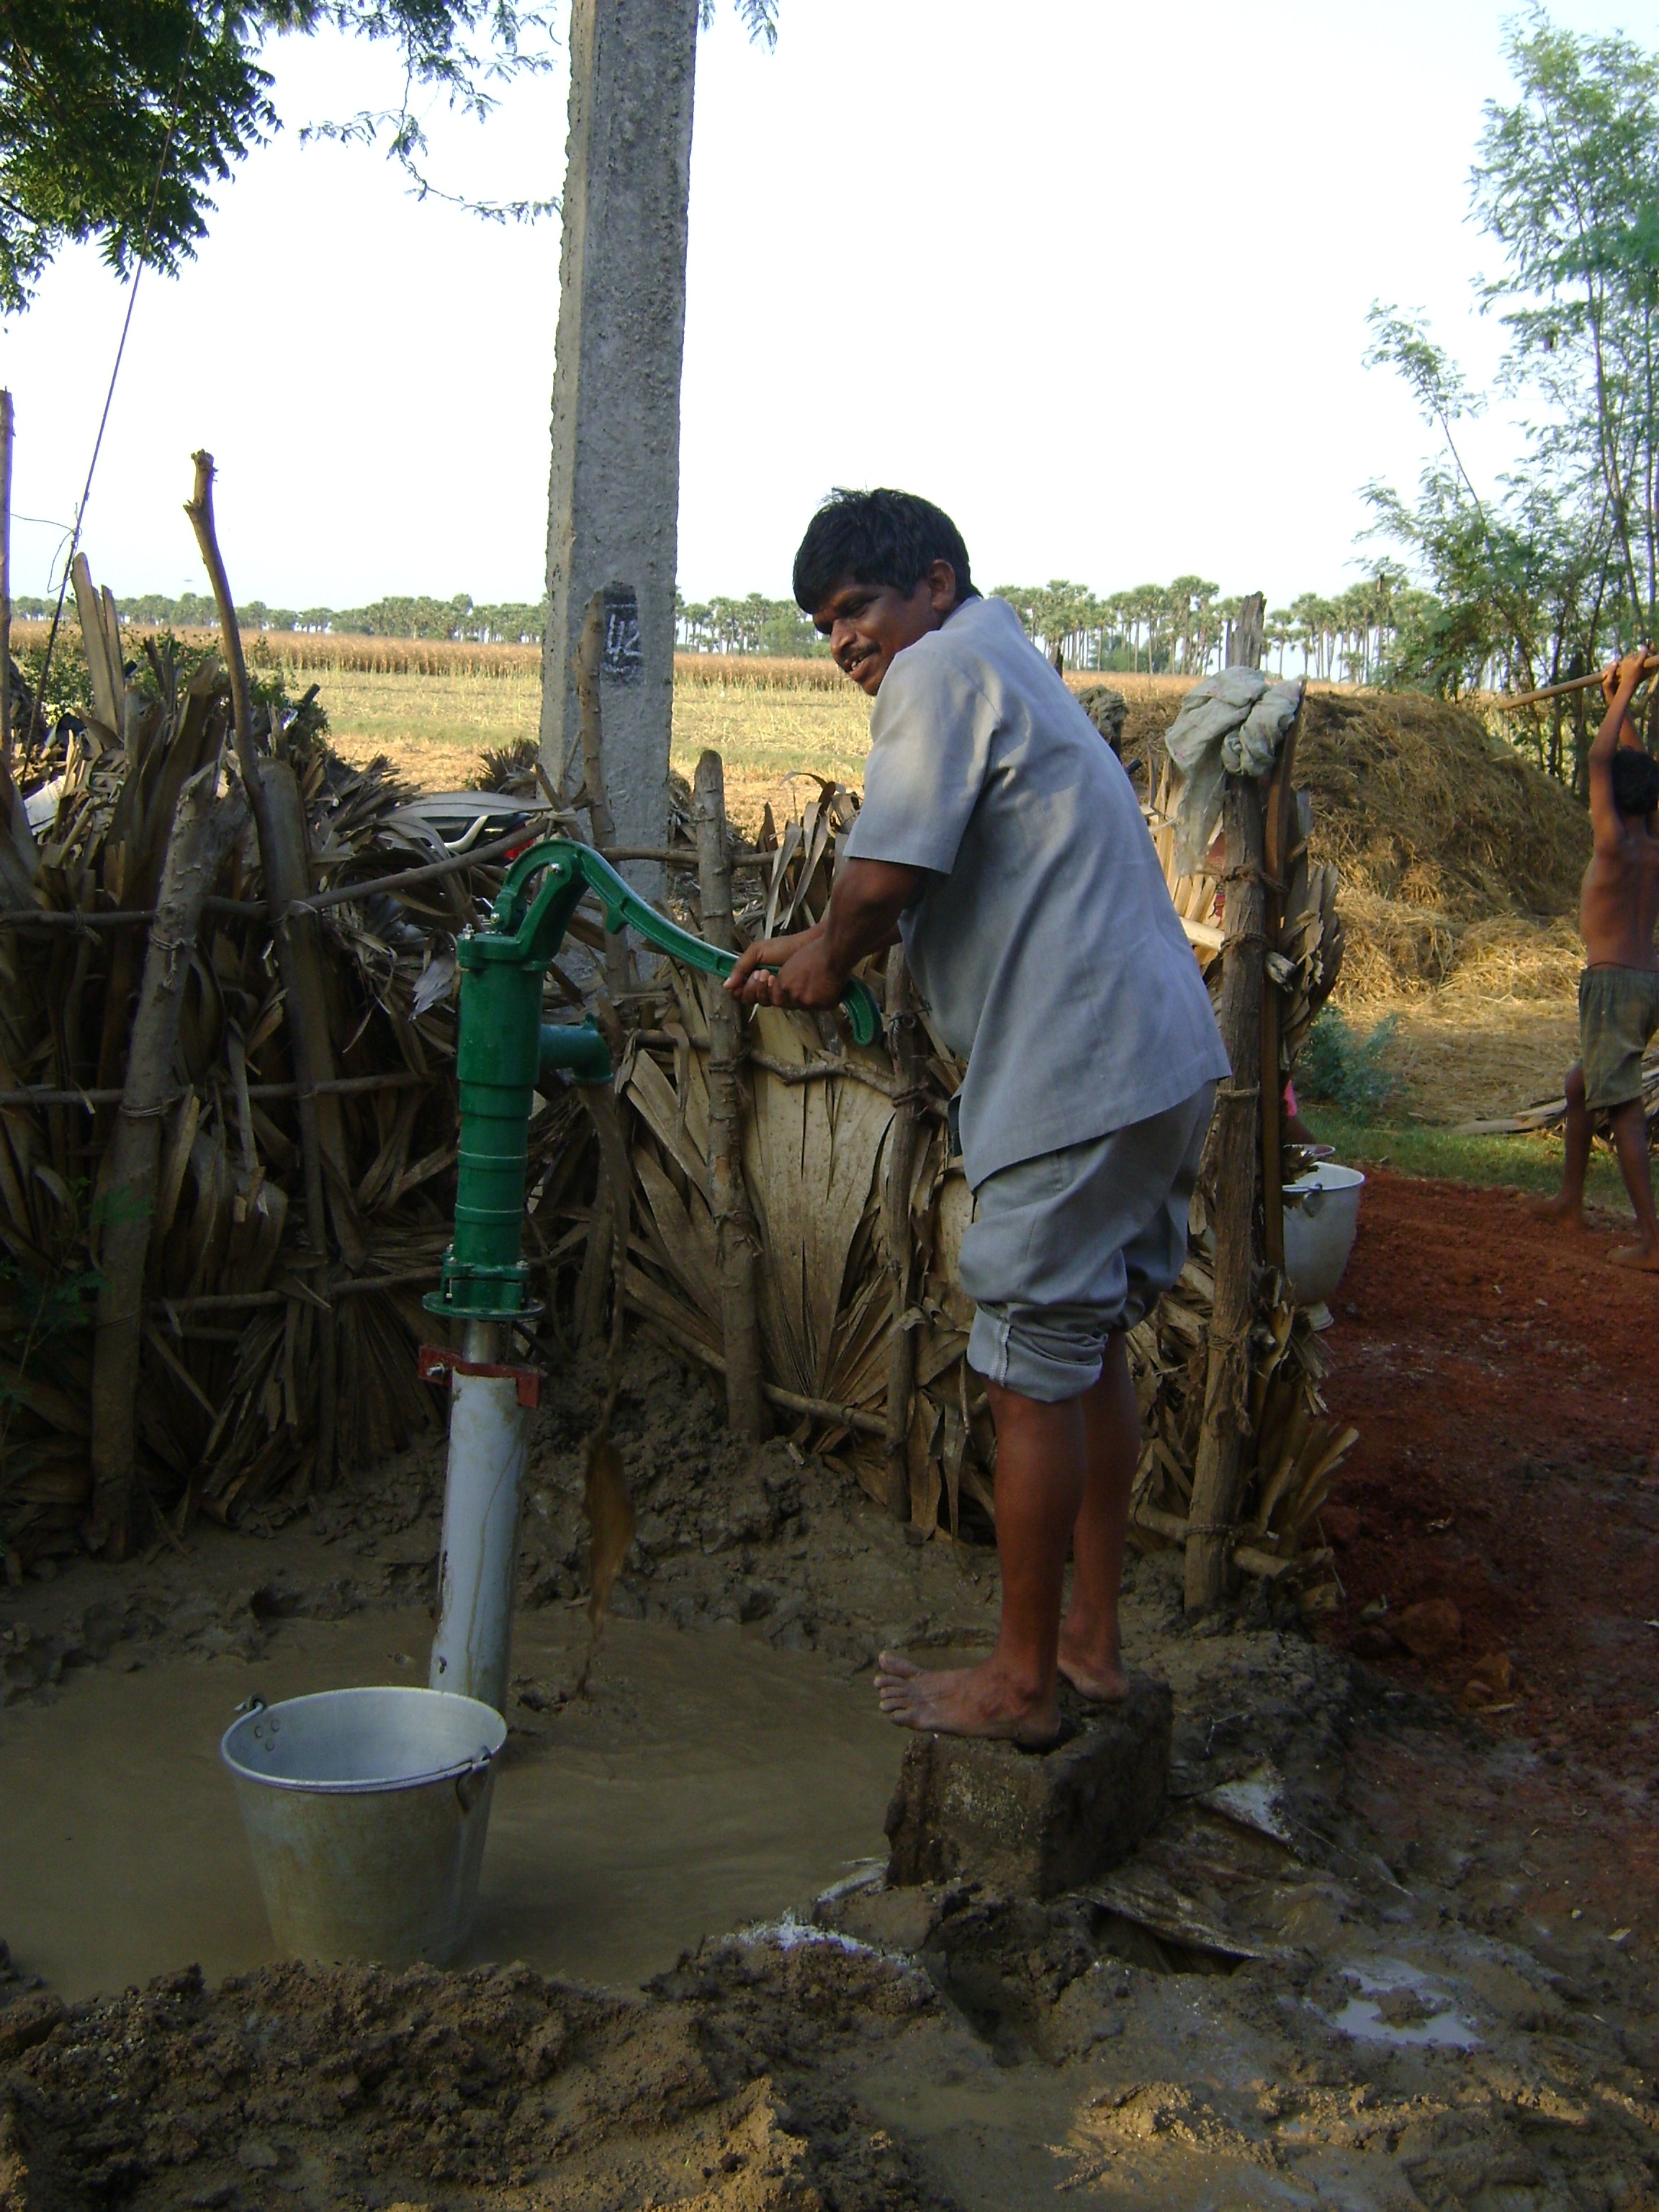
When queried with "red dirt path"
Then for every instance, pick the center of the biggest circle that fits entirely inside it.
(1503, 1377)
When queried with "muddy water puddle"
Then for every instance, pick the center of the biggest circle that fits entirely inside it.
(704, 1781)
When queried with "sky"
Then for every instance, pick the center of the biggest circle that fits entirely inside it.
(1093, 275)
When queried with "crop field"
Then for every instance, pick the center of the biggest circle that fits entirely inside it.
(1474, 1030)
(434, 709)
(435, 727)
(1497, 1031)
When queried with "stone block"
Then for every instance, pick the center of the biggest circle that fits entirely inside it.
(1030, 1823)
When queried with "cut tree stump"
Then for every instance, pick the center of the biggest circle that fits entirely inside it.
(1029, 1823)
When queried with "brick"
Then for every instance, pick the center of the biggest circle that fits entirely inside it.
(1028, 1823)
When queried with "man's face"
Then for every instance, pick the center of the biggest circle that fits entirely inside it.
(867, 623)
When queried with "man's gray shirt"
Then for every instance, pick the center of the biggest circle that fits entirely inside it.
(1045, 946)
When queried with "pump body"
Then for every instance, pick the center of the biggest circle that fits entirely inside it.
(504, 1049)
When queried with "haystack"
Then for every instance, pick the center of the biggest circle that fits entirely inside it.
(1453, 851)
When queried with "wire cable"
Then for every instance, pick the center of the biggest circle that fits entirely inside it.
(38, 704)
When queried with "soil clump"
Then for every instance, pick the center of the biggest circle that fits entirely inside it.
(352, 2087)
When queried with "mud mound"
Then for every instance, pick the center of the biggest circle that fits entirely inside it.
(352, 2087)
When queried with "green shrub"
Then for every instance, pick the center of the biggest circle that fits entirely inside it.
(1337, 1064)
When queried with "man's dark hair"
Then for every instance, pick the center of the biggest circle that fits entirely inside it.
(876, 537)
(1635, 782)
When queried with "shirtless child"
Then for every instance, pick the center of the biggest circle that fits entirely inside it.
(1005, 844)
(1618, 990)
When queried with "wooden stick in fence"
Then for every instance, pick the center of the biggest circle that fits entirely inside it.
(199, 508)
(291, 861)
(368, 887)
(1231, 1186)
(736, 1242)
(203, 828)
(901, 1244)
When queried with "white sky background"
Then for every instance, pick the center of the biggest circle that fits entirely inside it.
(1091, 274)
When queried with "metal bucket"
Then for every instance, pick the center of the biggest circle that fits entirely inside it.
(366, 1811)
(1322, 1213)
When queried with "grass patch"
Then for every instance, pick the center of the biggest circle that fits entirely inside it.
(1415, 1148)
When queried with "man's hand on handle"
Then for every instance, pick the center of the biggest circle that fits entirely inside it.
(789, 971)
(1623, 675)
(810, 969)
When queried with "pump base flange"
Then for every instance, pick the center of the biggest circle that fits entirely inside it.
(435, 1364)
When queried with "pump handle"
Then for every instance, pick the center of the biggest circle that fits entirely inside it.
(625, 908)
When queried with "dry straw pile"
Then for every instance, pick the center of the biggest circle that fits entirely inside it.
(1461, 864)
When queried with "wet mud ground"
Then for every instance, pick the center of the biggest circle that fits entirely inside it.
(1393, 1945)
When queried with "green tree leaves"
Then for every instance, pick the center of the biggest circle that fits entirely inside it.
(96, 105)
(1567, 183)
(754, 624)
(118, 121)
(1540, 574)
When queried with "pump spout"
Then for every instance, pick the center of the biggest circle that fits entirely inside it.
(489, 1446)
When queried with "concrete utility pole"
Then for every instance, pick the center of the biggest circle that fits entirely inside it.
(614, 499)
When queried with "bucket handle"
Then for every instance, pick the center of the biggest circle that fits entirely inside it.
(470, 1786)
(252, 1703)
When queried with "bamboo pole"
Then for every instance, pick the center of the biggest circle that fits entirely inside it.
(291, 863)
(614, 1194)
(1504, 703)
(1231, 1179)
(901, 1244)
(103, 669)
(737, 1240)
(204, 826)
(595, 1272)
(199, 508)
(1276, 844)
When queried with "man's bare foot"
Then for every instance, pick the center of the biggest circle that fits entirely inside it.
(1569, 1211)
(964, 1701)
(1097, 1679)
(1645, 1256)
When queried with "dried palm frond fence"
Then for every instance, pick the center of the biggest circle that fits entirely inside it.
(285, 1050)
(853, 1213)
(227, 1116)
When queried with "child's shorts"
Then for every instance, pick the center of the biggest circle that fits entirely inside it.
(1618, 1013)
(1067, 1248)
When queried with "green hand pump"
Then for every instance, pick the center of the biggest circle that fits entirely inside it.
(504, 1051)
